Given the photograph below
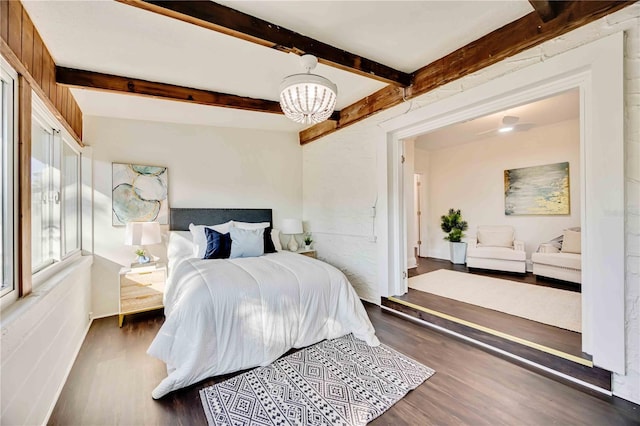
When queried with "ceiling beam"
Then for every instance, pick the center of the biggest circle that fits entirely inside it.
(223, 19)
(513, 38)
(545, 9)
(132, 86)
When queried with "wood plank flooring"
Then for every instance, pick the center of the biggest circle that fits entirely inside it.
(553, 337)
(429, 264)
(112, 379)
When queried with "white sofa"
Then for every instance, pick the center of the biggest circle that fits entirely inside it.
(550, 262)
(495, 248)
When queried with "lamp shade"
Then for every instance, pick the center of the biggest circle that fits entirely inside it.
(142, 233)
(291, 226)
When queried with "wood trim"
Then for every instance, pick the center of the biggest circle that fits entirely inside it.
(24, 190)
(544, 8)
(4, 20)
(23, 48)
(27, 41)
(38, 45)
(582, 371)
(14, 37)
(132, 86)
(237, 24)
(10, 57)
(513, 38)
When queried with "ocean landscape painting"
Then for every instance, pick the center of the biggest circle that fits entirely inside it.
(139, 194)
(537, 190)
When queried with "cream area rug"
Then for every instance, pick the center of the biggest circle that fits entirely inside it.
(560, 308)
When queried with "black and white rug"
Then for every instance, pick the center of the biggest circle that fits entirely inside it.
(335, 382)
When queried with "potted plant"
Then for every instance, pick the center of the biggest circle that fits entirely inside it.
(307, 242)
(454, 226)
(142, 258)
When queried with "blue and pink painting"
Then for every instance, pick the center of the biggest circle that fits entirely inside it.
(139, 194)
(537, 190)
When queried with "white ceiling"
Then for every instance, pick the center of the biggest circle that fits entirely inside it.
(115, 38)
(562, 107)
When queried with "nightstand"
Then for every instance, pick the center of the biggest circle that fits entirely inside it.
(310, 253)
(141, 290)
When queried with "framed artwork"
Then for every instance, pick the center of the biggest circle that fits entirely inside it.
(139, 194)
(538, 190)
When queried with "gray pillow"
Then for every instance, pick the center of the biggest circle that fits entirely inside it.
(246, 242)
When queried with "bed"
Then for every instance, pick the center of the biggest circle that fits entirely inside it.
(226, 315)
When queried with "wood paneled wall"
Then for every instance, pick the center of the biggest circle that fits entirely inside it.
(23, 48)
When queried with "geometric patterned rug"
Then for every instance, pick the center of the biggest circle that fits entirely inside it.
(341, 381)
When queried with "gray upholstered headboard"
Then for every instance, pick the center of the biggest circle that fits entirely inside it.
(181, 218)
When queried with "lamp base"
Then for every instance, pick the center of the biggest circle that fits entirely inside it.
(293, 244)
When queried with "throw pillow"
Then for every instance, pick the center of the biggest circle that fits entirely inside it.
(275, 238)
(246, 242)
(218, 245)
(200, 239)
(495, 237)
(269, 246)
(571, 242)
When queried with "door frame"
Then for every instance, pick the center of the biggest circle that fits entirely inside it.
(597, 70)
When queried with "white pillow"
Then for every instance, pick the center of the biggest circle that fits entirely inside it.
(495, 237)
(200, 238)
(250, 225)
(275, 237)
(571, 242)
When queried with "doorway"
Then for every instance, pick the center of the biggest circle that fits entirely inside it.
(591, 69)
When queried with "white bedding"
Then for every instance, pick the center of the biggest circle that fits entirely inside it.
(226, 315)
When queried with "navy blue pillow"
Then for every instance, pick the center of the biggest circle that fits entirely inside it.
(218, 245)
(268, 242)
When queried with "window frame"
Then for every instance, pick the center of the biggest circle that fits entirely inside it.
(9, 182)
(41, 114)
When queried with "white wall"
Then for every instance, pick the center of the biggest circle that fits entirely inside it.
(409, 202)
(470, 177)
(421, 164)
(41, 335)
(207, 166)
(350, 153)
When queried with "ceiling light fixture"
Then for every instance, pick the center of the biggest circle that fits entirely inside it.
(307, 98)
(505, 129)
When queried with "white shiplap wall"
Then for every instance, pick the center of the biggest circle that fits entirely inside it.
(340, 178)
(41, 336)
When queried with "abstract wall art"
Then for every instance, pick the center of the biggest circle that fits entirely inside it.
(139, 194)
(538, 190)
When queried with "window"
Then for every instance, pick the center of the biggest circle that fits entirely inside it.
(7, 165)
(55, 191)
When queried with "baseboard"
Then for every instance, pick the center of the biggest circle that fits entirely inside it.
(104, 316)
(412, 262)
(66, 374)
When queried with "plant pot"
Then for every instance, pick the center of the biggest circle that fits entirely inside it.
(458, 253)
(307, 246)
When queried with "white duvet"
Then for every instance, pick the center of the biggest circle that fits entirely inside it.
(232, 314)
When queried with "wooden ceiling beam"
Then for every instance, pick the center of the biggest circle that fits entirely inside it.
(226, 20)
(132, 86)
(545, 9)
(511, 39)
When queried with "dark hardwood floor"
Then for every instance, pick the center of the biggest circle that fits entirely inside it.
(429, 264)
(556, 338)
(112, 379)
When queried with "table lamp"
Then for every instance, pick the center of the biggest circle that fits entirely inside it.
(292, 227)
(142, 234)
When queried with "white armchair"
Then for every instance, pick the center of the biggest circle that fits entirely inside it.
(562, 264)
(495, 248)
